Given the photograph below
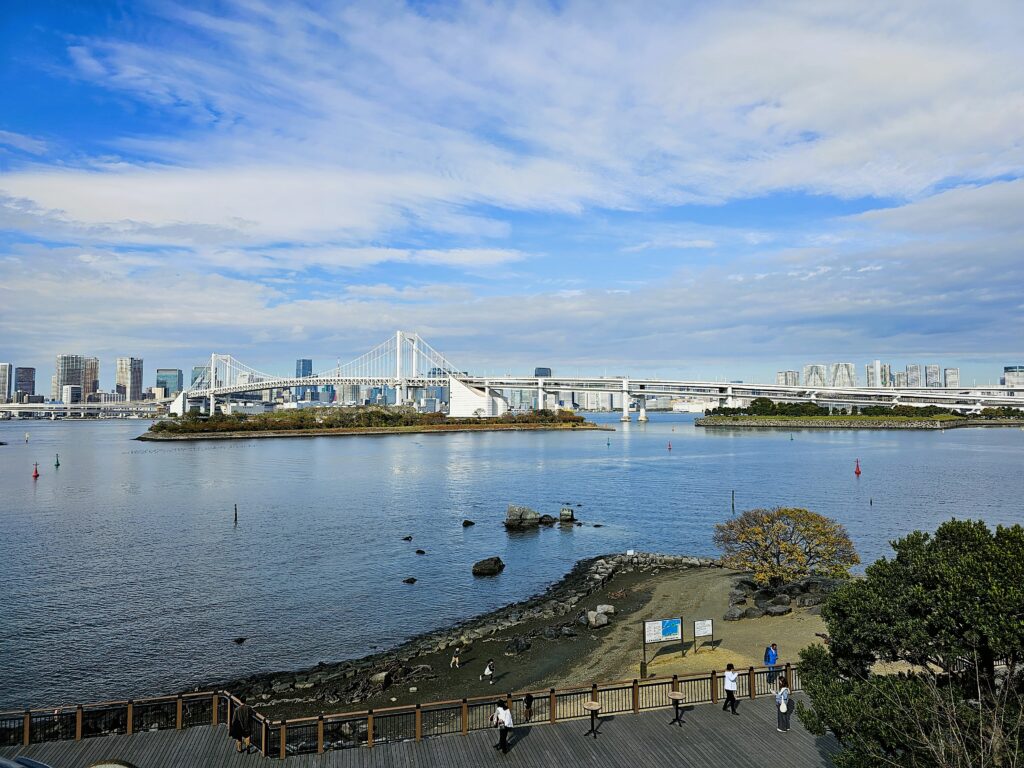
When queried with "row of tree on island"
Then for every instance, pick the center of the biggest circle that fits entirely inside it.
(922, 662)
(762, 406)
(360, 417)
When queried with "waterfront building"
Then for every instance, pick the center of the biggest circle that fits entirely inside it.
(6, 380)
(913, 375)
(876, 370)
(171, 379)
(128, 378)
(106, 397)
(900, 380)
(932, 377)
(304, 369)
(869, 375)
(886, 380)
(788, 378)
(25, 380)
(542, 373)
(951, 377)
(842, 375)
(814, 375)
(90, 376)
(1013, 375)
(199, 374)
(69, 370)
(71, 393)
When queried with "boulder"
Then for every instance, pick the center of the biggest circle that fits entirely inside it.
(806, 601)
(609, 609)
(410, 580)
(746, 584)
(595, 619)
(778, 610)
(517, 645)
(489, 566)
(550, 633)
(781, 600)
(735, 613)
(753, 613)
(381, 678)
(521, 518)
(546, 520)
(567, 515)
(467, 523)
(568, 632)
(794, 589)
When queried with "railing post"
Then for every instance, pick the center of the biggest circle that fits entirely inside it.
(320, 735)
(79, 716)
(179, 715)
(228, 721)
(752, 683)
(553, 706)
(675, 682)
(213, 718)
(714, 687)
(419, 723)
(266, 737)
(465, 717)
(131, 718)
(369, 727)
(593, 692)
(636, 697)
(283, 752)
(26, 729)
(789, 677)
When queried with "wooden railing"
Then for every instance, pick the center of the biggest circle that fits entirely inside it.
(312, 735)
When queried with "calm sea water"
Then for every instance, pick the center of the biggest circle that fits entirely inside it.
(123, 574)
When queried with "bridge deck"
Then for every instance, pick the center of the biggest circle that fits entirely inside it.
(710, 738)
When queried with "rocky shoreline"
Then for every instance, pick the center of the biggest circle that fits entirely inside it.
(440, 428)
(767, 422)
(551, 615)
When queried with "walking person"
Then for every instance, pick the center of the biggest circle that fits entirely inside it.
(771, 658)
(502, 719)
(455, 657)
(241, 726)
(528, 707)
(783, 704)
(489, 672)
(731, 686)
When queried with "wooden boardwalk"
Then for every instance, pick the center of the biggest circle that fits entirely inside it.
(709, 738)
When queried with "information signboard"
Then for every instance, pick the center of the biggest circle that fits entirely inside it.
(663, 630)
(703, 628)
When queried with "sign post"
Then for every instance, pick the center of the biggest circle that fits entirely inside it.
(660, 631)
(703, 628)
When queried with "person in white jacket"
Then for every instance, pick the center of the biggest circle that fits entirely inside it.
(502, 718)
(731, 686)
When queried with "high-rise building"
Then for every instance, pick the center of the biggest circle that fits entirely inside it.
(90, 376)
(877, 371)
(128, 378)
(913, 375)
(303, 368)
(869, 375)
(951, 377)
(886, 380)
(199, 374)
(814, 375)
(1013, 375)
(900, 381)
(6, 379)
(788, 378)
(69, 370)
(932, 376)
(170, 380)
(842, 375)
(25, 380)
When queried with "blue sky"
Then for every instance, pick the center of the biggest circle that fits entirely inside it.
(702, 190)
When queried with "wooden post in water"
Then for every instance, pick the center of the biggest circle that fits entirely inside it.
(636, 697)
(131, 718)
(320, 735)
(236, 514)
(79, 716)
(734, 502)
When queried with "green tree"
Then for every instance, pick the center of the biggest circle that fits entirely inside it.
(783, 544)
(948, 611)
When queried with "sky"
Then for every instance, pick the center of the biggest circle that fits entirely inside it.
(698, 190)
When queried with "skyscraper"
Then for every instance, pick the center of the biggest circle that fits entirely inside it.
(304, 368)
(199, 373)
(128, 378)
(814, 375)
(788, 378)
(90, 376)
(6, 379)
(69, 371)
(900, 380)
(913, 375)
(1013, 375)
(886, 380)
(932, 376)
(951, 377)
(171, 379)
(842, 375)
(869, 375)
(25, 380)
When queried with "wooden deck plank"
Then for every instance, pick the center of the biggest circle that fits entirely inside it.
(709, 738)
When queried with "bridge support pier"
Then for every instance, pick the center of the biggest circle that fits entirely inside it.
(643, 409)
(625, 407)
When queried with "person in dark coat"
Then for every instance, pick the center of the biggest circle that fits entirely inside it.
(241, 726)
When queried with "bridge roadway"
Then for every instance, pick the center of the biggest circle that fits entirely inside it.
(709, 738)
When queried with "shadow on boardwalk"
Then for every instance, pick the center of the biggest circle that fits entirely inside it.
(710, 738)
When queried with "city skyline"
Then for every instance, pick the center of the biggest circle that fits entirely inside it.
(711, 203)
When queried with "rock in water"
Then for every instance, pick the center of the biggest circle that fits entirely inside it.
(467, 523)
(489, 566)
(407, 538)
(520, 518)
(420, 552)
(240, 640)
(546, 520)
(410, 580)
(567, 515)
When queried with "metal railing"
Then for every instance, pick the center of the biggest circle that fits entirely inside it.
(347, 730)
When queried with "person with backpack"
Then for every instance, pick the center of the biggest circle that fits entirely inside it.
(783, 705)
(771, 658)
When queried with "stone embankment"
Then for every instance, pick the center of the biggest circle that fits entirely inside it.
(767, 422)
(552, 615)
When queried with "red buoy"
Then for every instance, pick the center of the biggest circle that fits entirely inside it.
(670, 446)
(35, 471)
(856, 469)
